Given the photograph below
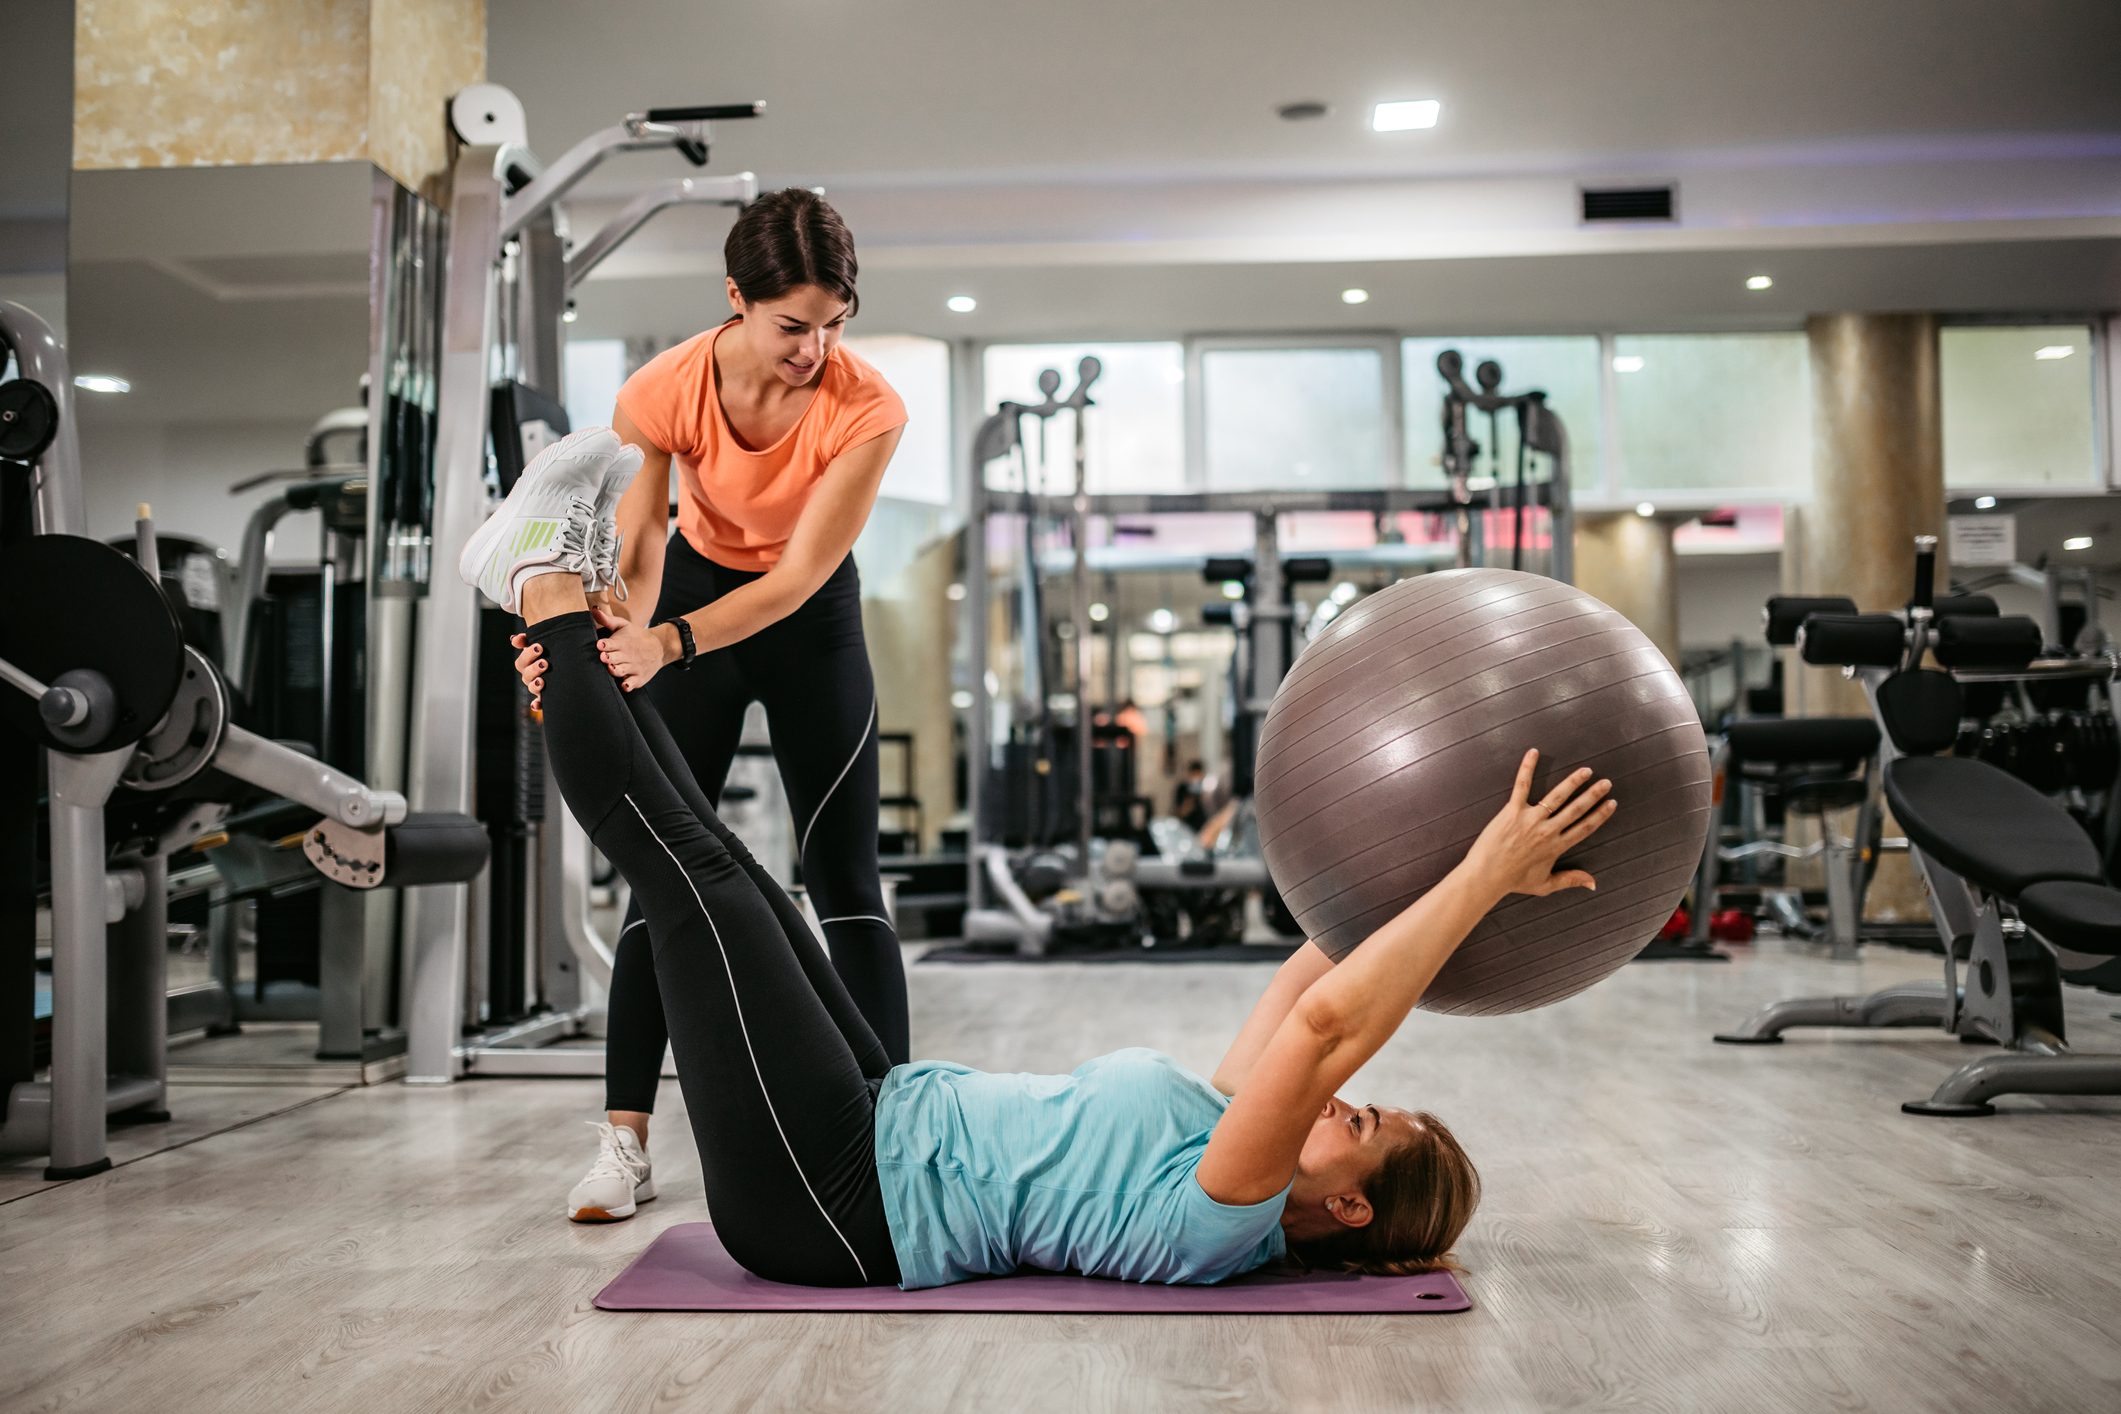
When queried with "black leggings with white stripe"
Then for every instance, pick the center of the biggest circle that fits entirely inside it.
(811, 672)
(778, 1068)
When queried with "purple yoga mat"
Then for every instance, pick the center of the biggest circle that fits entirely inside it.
(686, 1269)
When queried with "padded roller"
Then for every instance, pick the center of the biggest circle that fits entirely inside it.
(428, 847)
(1786, 613)
(433, 847)
(1987, 643)
(1396, 736)
(1964, 606)
(1853, 640)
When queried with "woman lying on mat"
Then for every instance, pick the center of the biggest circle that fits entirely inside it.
(827, 1166)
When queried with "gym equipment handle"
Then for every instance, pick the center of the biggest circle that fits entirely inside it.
(707, 113)
(1925, 572)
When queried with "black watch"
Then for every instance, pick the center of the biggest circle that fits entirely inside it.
(687, 649)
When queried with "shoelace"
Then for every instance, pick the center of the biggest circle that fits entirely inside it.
(577, 531)
(612, 1160)
(604, 560)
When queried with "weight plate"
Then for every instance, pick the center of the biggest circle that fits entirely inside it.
(70, 602)
(29, 419)
(188, 735)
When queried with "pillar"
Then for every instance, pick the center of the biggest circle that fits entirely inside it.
(1626, 560)
(1877, 483)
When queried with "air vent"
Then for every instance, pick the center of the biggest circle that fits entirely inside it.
(1627, 204)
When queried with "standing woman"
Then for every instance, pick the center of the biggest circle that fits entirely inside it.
(780, 438)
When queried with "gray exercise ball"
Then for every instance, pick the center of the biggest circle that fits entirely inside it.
(1397, 734)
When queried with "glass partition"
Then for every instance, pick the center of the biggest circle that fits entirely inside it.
(2018, 406)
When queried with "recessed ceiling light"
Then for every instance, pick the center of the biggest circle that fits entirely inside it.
(961, 699)
(2054, 351)
(101, 383)
(1354, 296)
(961, 304)
(954, 593)
(2077, 542)
(1984, 503)
(1162, 621)
(1645, 509)
(1760, 282)
(1100, 612)
(1302, 112)
(1627, 363)
(1399, 117)
(1233, 589)
(571, 315)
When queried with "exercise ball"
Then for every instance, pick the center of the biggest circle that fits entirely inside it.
(1397, 735)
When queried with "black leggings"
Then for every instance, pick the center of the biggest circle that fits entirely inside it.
(778, 1068)
(811, 671)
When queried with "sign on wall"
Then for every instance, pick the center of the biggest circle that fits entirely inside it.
(1983, 540)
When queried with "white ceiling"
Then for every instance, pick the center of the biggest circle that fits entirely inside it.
(1114, 169)
(1001, 91)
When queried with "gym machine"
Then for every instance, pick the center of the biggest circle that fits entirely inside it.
(142, 760)
(495, 973)
(2018, 890)
(1009, 735)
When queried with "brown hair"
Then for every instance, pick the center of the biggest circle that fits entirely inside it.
(788, 238)
(1424, 1195)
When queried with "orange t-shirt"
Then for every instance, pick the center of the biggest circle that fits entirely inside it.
(737, 506)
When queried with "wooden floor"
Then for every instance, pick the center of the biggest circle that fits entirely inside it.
(1670, 1225)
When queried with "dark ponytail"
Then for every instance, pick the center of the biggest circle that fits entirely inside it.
(789, 238)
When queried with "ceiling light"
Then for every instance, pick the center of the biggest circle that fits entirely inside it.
(1100, 612)
(1627, 363)
(1760, 282)
(961, 699)
(1162, 621)
(1233, 589)
(1354, 296)
(102, 383)
(2054, 351)
(1399, 117)
(2077, 542)
(954, 593)
(1645, 509)
(571, 315)
(961, 304)
(1984, 503)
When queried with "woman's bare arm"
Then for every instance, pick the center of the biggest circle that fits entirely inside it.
(644, 524)
(1343, 1019)
(1304, 966)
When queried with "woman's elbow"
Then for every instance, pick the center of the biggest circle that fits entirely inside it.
(1324, 1017)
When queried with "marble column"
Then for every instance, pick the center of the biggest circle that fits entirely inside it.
(1877, 483)
(1626, 560)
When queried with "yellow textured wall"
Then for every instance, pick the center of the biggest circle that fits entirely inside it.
(162, 83)
(231, 83)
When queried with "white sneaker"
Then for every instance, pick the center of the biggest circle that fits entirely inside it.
(605, 540)
(618, 1182)
(545, 522)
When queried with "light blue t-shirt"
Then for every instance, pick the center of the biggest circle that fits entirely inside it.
(1090, 1172)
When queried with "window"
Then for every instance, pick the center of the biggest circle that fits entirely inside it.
(1713, 412)
(1294, 419)
(1136, 431)
(919, 369)
(1565, 369)
(594, 370)
(2017, 406)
